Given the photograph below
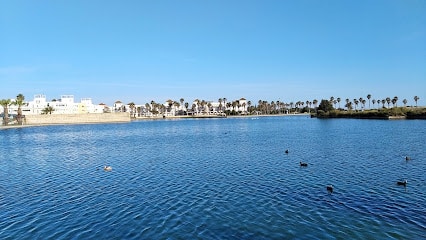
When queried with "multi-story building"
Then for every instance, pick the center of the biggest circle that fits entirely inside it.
(64, 105)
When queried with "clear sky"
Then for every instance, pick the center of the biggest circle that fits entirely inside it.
(143, 50)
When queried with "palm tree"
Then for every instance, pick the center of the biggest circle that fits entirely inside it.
(368, 97)
(360, 100)
(405, 102)
(181, 101)
(338, 100)
(374, 101)
(356, 103)
(388, 100)
(5, 103)
(19, 101)
(383, 103)
(47, 110)
(396, 101)
(132, 108)
(416, 99)
(186, 107)
(348, 105)
(315, 102)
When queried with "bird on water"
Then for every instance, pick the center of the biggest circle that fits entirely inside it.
(286, 151)
(402, 183)
(330, 188)
(303, 164)
(107, 168)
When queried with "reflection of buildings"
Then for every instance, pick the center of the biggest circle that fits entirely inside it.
(64, 105)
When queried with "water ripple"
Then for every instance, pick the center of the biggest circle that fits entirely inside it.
(214, 179)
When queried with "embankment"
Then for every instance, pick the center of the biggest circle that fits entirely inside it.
(51, 119)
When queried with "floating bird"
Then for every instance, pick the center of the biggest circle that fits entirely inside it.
(402, 183)
(303, 164)
(407, 158)
(286, 151)
(107, 168)
(330, 188)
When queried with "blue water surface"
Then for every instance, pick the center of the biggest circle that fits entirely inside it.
(215, 179)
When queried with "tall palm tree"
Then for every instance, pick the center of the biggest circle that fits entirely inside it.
(338, 100)
(383, 103)
(19, 101)
(132, 108)
(388, 100)
(248, 105)
(315, 102)
(416, 99)
(181, 101)
(5, 103)
(395, 101)
(186, 107)
(368, 97)
(347, 103)
(374, 102)
(405, 102)
(356, 103)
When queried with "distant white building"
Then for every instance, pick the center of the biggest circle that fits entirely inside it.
(64, 105)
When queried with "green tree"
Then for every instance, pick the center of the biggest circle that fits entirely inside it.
(416, 99)
(5, 103)
(19, 101)
(47, 110)
(405, 102)
(325, 105)
(132, 107)
(368, 97)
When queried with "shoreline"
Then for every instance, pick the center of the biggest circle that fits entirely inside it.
(2, 127)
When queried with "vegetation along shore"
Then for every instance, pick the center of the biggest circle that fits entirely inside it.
(386, 108)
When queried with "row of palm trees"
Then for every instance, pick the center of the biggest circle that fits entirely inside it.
(262, 107)
(5, 103)
(229, 107)
(361, 102)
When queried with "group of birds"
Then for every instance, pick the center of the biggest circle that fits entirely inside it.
(330, 187)
(404, 182)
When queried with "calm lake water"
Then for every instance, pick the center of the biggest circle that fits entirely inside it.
(215, 179)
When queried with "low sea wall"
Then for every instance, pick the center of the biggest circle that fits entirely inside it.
(48, 119)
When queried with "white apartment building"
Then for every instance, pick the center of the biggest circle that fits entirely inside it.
(64, 105)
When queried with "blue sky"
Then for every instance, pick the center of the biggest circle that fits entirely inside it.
(271, 50)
